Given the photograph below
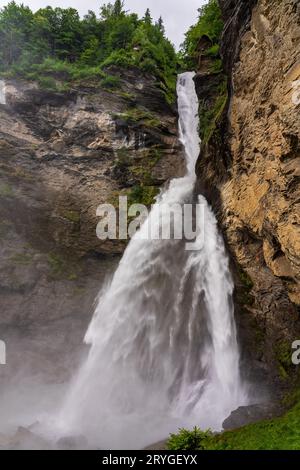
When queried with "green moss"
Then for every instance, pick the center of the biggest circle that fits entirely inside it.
(138, 194)
(61, 268)
(281, 433)
(143, 171)
(216, 66)
(213, 51)
(139, 116)
(72, 216)
(6, 190)
(56, 263)
(283, 353)
(72, 277)
(79, 291)
(139, 164)
(23, 259)
(210, 114)
(125, 95)
(246, 280)
(143, 195)
(110, 82)
(47, 83)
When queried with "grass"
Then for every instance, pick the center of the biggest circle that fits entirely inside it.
(143, 195)
(281, 433)
(110, 82)
(139, 116)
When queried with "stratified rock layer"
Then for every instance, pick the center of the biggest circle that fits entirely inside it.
(62, 155)
(253, 170)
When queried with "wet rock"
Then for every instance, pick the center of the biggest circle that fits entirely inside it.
(250, 414)
(249, 171)
(72, 442)
(70, 152)
(24, 439)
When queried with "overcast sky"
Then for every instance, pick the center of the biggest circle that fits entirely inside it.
(178, 15)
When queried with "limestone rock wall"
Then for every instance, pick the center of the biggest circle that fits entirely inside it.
(254, 167)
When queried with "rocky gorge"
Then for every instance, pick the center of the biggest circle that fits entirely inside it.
(249, 170)
(65, 151)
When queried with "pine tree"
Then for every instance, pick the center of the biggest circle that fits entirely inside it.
(118, 9)
(147, 18)
(160, 25)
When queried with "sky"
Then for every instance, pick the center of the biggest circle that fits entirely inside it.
(178, 15)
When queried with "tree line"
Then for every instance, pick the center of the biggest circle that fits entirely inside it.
(114, 36)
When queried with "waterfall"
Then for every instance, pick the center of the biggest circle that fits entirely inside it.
(163, 347)
(2, 92)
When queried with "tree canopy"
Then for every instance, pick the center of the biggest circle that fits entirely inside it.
(59, 36)
(209, 24)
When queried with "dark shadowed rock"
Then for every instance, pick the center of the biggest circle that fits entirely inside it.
(250, 414)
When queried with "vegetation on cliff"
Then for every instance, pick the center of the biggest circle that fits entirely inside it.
(55, 42)
(201, 52)
(209, 24)
(281, 433)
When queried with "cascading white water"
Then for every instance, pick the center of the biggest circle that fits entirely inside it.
(2, 92)
(164, 352)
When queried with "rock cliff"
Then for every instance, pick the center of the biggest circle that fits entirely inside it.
(62, 155)
(249, 170)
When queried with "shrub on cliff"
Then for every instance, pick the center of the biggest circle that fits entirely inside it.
(189, 440)
(209, 24)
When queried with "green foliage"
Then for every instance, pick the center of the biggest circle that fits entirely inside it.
(209, 115)
(57, 41)
(110, 82)
(189, 440)
(283, 354)
(276, 434)
(246, 280)
(143, 195)
(213, 51)
(139, 116)
(48, 83)
(281, 433)
(209, 24)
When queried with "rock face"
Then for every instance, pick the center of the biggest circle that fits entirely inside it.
(250, 414)
(61, 155)
(252, 163)
(81, 149)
